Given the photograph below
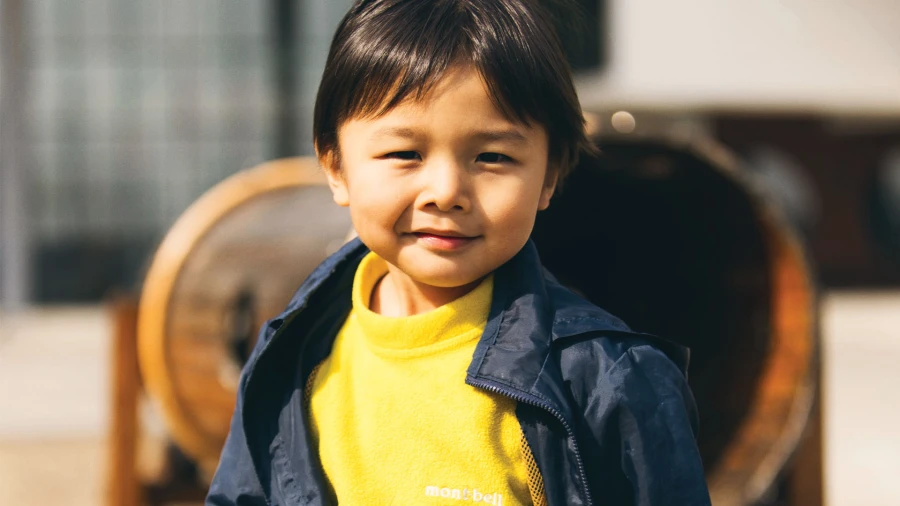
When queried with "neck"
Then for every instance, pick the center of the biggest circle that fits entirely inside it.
(399, 295)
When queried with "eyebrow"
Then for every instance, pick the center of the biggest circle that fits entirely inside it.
(485, 135)
(404, 132)
(501, 135)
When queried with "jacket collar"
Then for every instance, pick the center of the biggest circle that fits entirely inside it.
(525, 295)
(530, 310)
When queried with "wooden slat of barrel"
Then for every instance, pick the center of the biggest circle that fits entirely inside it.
(787, 389)
(231, 262)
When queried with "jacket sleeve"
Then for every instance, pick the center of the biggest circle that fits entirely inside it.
(657, 422)
(236, 482)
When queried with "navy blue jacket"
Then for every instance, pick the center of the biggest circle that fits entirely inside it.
(607, 412)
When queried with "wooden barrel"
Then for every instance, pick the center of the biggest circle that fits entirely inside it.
(230, 262)
(669, 236)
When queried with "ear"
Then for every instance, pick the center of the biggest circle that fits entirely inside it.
(331, 165)
(547, 191)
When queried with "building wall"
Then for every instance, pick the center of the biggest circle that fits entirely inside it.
(780, 55)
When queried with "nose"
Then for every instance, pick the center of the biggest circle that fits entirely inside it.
(446, 187)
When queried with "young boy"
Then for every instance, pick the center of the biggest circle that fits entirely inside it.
(433, 360)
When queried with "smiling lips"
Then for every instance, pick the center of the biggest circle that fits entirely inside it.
(447, 241)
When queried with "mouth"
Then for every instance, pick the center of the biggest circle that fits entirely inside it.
(441, 233)
(445, 240)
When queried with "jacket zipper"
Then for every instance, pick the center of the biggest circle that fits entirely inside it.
(535, 401)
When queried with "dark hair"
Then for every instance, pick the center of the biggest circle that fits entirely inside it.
(386, 50)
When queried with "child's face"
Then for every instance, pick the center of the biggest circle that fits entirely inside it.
(446, 188)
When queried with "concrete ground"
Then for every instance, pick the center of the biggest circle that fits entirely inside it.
(861, 334)
(54, 406)
(54, 403)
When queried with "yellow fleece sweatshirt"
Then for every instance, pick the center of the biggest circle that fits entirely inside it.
(394, 419)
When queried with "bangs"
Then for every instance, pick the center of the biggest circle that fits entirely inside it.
(401, 62)
(388, 51)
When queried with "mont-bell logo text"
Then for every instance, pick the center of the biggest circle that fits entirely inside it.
(464, 494)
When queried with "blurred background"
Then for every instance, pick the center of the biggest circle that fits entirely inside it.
(117, 115)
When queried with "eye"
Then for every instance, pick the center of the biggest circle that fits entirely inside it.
(493, 158)
(403, 155)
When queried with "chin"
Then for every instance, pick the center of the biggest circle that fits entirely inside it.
(443, 278)
(440, 272)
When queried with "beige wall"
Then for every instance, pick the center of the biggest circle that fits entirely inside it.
(837, 56)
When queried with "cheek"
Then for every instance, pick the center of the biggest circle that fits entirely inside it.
(512, 211)
(376, 203)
